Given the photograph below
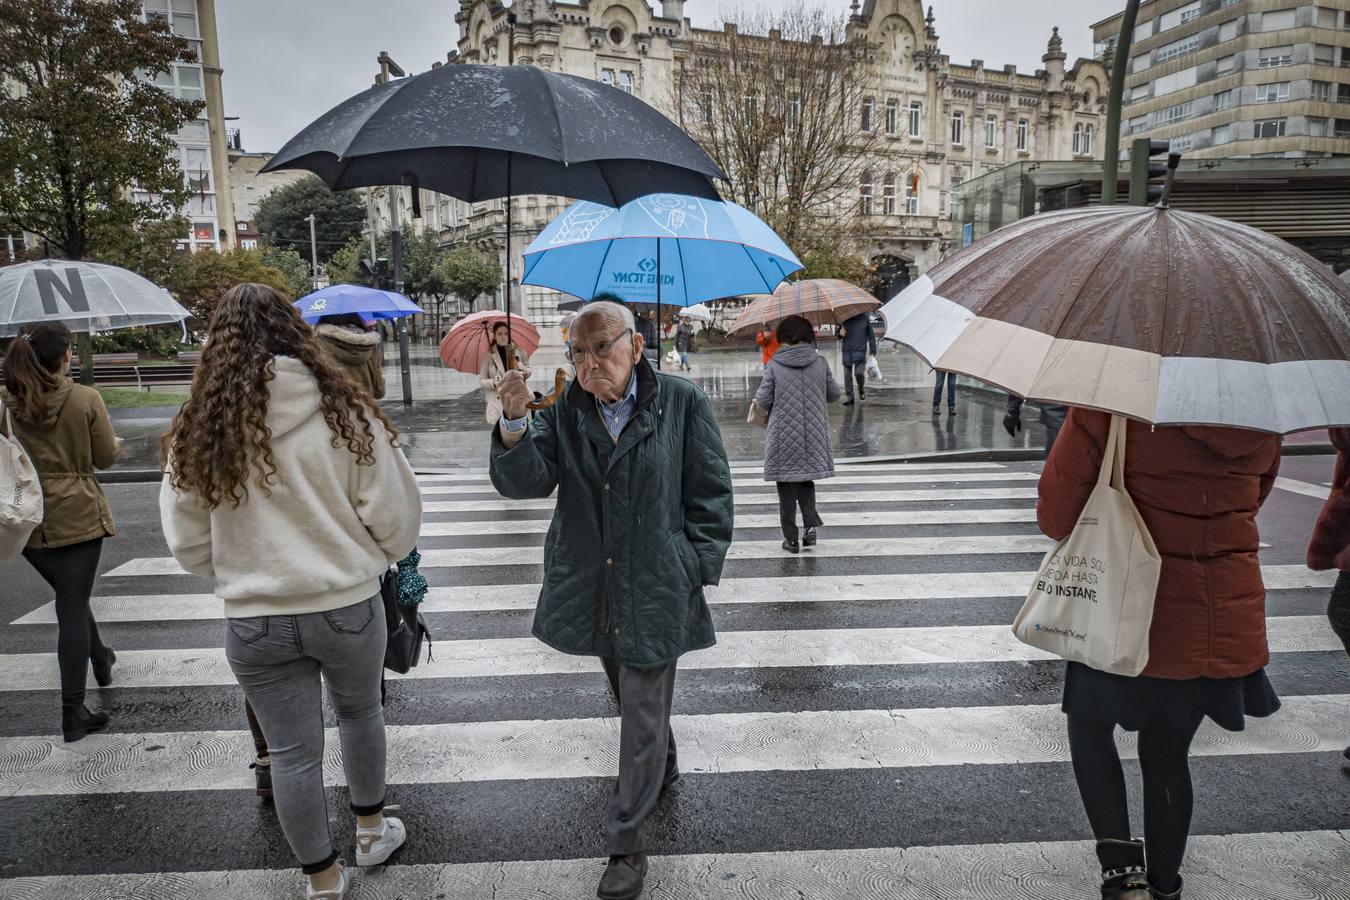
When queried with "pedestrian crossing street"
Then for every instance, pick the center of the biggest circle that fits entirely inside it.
(865, 727)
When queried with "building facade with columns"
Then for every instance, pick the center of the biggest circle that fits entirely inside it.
(938, 122)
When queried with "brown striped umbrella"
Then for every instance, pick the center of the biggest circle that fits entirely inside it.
(1166, 316)
(823, 301)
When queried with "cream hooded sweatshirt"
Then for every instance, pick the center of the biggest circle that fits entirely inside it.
(325, 534)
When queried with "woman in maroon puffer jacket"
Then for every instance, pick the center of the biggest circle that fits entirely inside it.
(1330, 547)
(1198, 490)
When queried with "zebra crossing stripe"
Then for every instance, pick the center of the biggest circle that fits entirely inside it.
(1271, 864)
(479, 557)
(735, 650)
(841, 468)
(437, 489)
(854, 499)
(1294, 486)
(855, 520)
(750, 590)
(584, 748)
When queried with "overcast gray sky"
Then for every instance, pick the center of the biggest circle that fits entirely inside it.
(287, 61)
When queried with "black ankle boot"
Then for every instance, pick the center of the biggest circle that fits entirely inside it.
(809, 537)
(1159, 895)
(1123, 874)
(103, 667)
(78, 721)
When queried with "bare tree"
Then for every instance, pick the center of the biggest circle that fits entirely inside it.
(778, 101)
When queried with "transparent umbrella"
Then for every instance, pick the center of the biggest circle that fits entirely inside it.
(85, 296)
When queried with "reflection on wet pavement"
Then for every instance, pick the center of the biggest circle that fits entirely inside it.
(445, 427)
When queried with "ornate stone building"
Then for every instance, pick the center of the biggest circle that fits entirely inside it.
(939, 122)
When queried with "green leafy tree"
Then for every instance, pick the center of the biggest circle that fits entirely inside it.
(81, 120)
(290, 264)
(206, 275)
(469, 273)
(829, 262)
(423, 278)
(344, 266)
(150, 249)
(338, 217)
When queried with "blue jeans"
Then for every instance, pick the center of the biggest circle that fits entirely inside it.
(278, 661)
(950, 378)
(684, 358)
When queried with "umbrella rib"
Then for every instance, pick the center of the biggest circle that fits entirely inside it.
(553, 104)
(599, 271)
(679, 252)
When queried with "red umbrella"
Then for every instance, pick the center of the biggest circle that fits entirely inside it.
(465, 345)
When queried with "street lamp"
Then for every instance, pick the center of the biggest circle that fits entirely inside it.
(313, 252)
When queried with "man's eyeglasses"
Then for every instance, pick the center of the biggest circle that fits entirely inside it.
(576, 356)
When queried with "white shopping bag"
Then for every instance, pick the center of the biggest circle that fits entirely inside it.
(1092, 599)
(20, 492)
(873, 369)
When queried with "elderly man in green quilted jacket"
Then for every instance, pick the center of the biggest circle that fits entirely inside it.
(642, 525)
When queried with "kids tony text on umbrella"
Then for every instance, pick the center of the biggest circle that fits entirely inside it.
(662, 248)
(479, 132)
(1154, 313)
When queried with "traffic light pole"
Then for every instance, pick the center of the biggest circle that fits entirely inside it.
(396, 251)
(1120, 62)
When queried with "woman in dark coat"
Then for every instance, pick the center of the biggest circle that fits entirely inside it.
(1330, 546)
(1198, 490)
(796, 387)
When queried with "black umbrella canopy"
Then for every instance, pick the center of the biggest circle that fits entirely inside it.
(482, 132)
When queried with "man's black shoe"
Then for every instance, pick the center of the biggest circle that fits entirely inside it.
(623, 877)
(848, 401)
(791, 546)
(809, 537)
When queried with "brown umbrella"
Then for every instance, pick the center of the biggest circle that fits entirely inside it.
(1155, 313)
(823, 301)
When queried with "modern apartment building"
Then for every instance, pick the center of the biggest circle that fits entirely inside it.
(202, 145)
(1238, 78)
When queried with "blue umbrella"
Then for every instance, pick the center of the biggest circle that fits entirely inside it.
(368, 303)
(662, 249)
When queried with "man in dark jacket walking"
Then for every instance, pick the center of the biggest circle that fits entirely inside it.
(858, 342)
(642, 525)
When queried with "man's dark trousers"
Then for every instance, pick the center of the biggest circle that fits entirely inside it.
(646, 751)
(855, 372)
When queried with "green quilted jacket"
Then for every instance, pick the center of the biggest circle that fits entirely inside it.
(640, 526)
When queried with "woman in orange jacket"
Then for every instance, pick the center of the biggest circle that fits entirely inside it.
(768, 343)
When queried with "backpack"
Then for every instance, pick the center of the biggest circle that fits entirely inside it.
(20, 492)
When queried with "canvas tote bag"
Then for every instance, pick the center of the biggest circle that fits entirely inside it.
(20, 491)
(1092, 599)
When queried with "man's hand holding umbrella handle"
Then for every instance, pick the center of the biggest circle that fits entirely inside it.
(515, 396)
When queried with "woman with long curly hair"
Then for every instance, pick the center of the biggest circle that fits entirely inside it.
(284, 482)
(65, 429)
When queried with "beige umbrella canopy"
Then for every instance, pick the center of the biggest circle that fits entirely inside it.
(1166, 316)
(823, 301)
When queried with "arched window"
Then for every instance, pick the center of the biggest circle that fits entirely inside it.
(1088, 134)
(1077, 138)
(865, 191)
(888, 194)
(912, 194)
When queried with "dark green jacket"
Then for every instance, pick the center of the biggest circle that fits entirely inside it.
(640, 526)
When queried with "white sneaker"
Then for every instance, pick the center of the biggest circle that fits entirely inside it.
(374, 847)
(337, 893)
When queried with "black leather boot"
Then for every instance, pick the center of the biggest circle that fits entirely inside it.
(809, 537)
(623, 877)
(78, 721)
(103, 667)
(1159, 895)
(1123, 873)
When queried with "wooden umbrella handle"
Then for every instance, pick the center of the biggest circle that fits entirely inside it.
(559, 379)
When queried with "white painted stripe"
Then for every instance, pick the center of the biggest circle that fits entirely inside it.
(1281, 864)
(752, 589)
(853, 499)
(823, 486)
(735, 650)
(476, 557)
(855, 520)
(1294, 486)
(841, 467)
(586, 748)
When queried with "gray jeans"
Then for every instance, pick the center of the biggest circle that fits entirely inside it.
(278, 661)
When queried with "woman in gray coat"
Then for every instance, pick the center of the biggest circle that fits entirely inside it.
(797, 385)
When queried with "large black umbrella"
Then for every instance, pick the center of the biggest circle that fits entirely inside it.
(484, 132)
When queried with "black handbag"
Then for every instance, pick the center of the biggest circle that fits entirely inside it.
(407, 628)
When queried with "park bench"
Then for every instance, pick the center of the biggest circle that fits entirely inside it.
(125, 370)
